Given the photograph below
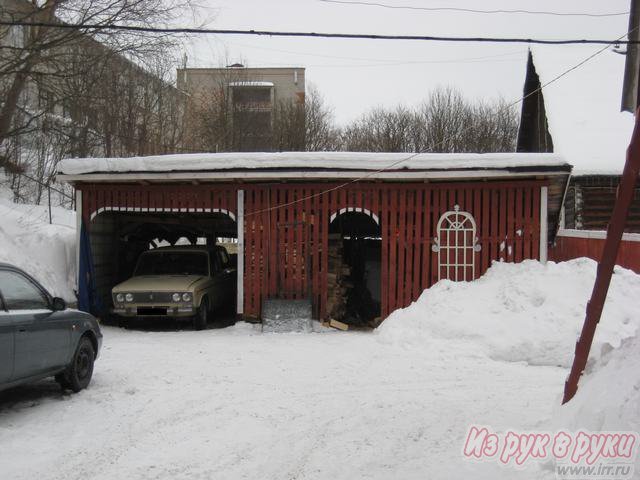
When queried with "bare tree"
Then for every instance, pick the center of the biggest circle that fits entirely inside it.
(31, 51)
(445, 122)
(380, 130)
(305, 126)
(321, 134)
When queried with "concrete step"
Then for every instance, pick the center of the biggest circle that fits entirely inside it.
(280, 315)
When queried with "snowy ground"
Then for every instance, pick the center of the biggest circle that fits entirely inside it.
(234, 403)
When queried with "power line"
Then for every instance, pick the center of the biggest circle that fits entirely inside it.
(470, 10)
(351, 36)
(409, 157)
(395, 64)
(381, 62)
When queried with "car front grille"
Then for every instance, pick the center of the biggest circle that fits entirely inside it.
(152, 297)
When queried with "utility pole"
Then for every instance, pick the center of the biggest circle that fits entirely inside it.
(616, 226)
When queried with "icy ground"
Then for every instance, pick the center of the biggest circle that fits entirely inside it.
(235, 403)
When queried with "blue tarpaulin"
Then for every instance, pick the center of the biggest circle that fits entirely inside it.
(88, 301)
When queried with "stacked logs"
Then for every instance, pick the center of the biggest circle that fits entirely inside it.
(337, 279)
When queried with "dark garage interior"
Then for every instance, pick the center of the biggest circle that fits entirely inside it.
(354, 281)
(118, 239)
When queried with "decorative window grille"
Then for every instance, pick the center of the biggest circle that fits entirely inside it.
(456, 245)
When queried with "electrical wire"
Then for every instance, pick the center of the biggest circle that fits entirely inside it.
(470, 10)
(381, 62)
(292, 34)
(406, 159)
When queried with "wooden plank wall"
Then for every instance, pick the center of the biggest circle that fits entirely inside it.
(590, 200)
(179, 198)
(507, 215)
(567, 248)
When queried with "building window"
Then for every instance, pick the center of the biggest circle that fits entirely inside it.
(456, 245)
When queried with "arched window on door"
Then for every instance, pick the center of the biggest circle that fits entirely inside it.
(456, 245)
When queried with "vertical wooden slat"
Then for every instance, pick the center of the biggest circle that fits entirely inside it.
(485, 237)
(323, 220)
(393, 248)
(528, 224)
(510, 224)
(519, 226)
(272, 198)
(535, 237)
(418, 208)
(400, 236)
(502, 227)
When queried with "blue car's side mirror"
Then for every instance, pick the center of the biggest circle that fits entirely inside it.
(58, 304)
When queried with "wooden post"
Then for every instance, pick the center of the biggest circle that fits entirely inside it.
(240, 263)
(607, 262)
(544, 242)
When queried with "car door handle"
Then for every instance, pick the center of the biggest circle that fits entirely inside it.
(22, 329)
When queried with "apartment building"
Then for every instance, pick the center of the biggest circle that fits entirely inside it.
(236, 107)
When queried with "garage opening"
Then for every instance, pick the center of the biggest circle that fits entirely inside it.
(119, 238)
(354, 268)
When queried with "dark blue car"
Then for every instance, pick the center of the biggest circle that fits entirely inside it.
(40, 337)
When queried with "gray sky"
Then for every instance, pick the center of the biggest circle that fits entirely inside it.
(355, 75)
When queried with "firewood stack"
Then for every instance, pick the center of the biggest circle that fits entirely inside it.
(337, 279)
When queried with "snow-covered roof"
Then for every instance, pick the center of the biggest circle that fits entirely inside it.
(251, 84)
(583, 108)
(320, 163)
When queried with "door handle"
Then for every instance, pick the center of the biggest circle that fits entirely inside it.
(22, 329)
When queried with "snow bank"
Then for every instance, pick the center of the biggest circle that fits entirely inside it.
(525, 312)
(46, 251)
(608, 398)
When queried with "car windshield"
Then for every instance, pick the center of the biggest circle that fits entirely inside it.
(172, 263)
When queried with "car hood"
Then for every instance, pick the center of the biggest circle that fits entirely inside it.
(158, 283)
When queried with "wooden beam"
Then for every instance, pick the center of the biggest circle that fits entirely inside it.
(240, 264)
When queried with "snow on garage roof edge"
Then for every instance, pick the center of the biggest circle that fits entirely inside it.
(310, 161)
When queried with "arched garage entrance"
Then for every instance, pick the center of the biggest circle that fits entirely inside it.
(354, 267)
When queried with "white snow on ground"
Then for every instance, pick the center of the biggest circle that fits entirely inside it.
(525, 312)
(46, 251)
(609, 397)
(236, 403)
(233, 404)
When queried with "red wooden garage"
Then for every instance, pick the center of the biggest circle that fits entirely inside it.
(396, 223)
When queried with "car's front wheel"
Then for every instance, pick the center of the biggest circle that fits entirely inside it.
(202, 317)
(78, 374)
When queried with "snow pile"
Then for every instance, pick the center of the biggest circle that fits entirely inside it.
(608, 398)
(45, 251)
(525, 312)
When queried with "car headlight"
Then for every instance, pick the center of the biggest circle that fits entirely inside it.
(176, 297)
(120, 297)
(186, 297)
(129, 297)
